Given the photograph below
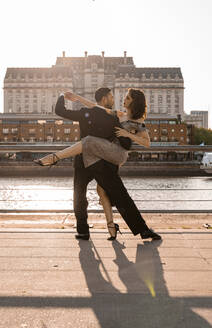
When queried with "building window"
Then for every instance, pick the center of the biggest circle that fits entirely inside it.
(151, 99)
(154, 122)
(31, 131)
(59, 122)
(163, 138)
(172, 130)
(155, 130)
(181, 130)
(160, 100)
(164, 131)
(168, 99)
(5, 131)
(66, 131)
(155, 138)
(49, 138)
(14, 130)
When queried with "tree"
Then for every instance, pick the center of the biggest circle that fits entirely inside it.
(202, 135)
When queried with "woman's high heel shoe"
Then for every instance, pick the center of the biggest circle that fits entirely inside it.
(116, 229)
(55, 159)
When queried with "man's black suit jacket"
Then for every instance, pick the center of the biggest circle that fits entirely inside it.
(93, 121)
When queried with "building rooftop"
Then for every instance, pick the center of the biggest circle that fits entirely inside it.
(148, 72)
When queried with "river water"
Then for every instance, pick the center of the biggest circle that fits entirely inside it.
(149, 193)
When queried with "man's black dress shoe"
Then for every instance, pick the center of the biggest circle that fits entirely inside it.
(150, 234)
(83, 236)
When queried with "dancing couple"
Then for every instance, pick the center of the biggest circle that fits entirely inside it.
(106, 138)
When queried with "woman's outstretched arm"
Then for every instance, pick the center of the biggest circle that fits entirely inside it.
(74, 97)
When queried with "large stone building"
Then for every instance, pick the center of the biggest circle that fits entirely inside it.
(197, 118)
(35, 90)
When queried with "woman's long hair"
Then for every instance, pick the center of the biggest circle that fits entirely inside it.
(138, 105)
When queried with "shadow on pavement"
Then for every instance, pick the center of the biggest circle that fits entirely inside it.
(145, 302)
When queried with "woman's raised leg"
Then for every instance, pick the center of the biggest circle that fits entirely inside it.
(51, 159)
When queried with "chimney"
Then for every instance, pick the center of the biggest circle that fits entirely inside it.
(179, 118)
(64, 54)
(125, 57)
(103, 58)
(86, 59)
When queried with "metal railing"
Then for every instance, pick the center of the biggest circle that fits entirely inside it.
(194, 204)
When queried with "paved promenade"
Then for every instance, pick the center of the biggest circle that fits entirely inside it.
(50, 280)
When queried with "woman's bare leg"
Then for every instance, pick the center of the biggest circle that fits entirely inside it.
(71, 151)
(105, 202)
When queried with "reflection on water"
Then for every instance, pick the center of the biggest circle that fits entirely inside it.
(149, 193)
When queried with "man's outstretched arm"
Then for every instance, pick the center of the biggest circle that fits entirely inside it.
(60, 110)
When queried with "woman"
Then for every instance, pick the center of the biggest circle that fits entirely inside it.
(93, 149)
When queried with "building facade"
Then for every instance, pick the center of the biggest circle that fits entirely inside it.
(46, 128)
(35, 90)
(18, 128)
(197, 118)
(169, 131)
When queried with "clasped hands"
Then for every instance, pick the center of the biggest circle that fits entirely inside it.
(70, 96)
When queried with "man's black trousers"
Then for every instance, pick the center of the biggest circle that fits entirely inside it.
(106, 175)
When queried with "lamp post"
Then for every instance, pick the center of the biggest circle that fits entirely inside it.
(42, 123)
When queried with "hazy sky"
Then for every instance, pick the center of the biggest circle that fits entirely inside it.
(157, 33)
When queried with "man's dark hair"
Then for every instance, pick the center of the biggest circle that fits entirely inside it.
(100, 93)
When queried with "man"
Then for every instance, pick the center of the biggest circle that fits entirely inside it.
(96, 122)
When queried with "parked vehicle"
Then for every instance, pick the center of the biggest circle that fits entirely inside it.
(206, 163)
